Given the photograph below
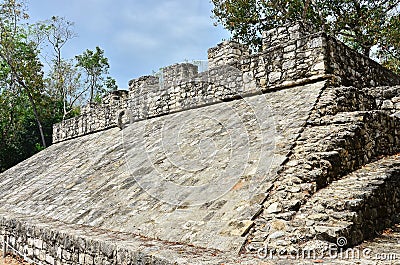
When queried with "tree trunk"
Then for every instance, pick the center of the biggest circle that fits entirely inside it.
(22, 84)
(34, 112)
(37, 119)
(305, 10)
(91, 95)
(91, 90)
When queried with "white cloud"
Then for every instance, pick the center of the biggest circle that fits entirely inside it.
(129, 40)
(138, 36)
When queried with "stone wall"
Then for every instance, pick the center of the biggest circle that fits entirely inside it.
(177, 73)
(354, 69)
(148, 98)
(284, 65)
(227, 53)
(46, 246)
(143, 84)
(93, 118)
(291, 56)
(284, 34)
(233, 73)
(387, 98)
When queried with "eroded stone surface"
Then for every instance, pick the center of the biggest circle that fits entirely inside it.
(339, 138)
(356, 207)
(194, 177)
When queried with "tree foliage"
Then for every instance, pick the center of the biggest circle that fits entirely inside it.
(20, 57)
(360, 24)
(64, 84)
(63, 81)
(95, 66)
(32, 99)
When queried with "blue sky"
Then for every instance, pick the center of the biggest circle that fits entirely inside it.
(138, 36)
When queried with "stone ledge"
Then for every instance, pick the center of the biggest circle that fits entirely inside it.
(77, 244)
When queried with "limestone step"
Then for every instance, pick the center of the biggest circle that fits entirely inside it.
(356, 207)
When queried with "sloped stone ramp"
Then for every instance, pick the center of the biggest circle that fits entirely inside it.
(82, 199)
(100, 187)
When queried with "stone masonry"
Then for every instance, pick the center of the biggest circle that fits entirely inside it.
(291, 149)
(235, 73)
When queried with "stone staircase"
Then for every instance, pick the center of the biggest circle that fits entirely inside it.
(341, 178)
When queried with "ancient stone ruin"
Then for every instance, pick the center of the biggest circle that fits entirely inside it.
(293, 148)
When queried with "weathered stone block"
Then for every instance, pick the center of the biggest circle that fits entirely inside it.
(81, 258)
(50, 260)
(88, 259)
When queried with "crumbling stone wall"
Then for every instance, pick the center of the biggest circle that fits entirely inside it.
(292, 55)
(177, 73)
(56, 243)
(387, 98)
(227, 53)
(286, 64)
(150, 98)
(285, 34)
(143, 84)
(93, 118)
(355, 69)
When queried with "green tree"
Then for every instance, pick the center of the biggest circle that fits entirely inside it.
(64, 85)
(19, 137)
(360, 24)
(26, 115)
(389, 51)
(31, 101)
(363, 24)
(63, 82)
(247, 19)
(95, 66)
(20, 57)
